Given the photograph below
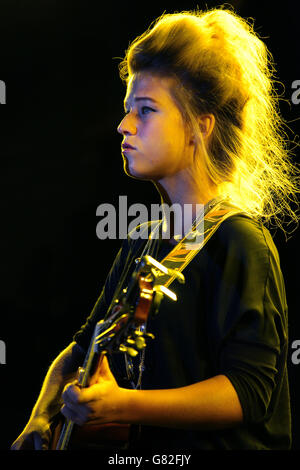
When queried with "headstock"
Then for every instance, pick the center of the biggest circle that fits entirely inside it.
(123, 328)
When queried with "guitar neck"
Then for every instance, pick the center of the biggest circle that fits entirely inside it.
(82, 379)
(65, 435)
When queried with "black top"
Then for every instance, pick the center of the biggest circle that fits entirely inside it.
(230, 318)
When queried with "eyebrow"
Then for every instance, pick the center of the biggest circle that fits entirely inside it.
(141, 98)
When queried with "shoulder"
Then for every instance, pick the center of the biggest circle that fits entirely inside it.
(245, 233)
(243, 240)
(242, 262)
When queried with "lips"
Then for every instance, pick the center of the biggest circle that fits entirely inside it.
(126, 146)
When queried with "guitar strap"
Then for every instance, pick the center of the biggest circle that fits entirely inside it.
(185, 251)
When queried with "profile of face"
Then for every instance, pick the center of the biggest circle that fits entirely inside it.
(155, 143)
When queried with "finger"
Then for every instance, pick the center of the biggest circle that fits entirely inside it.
(70, 414)
(77, 415)
(71, 393)
(80, 410)
(74, 396)
(90, 394)
(75, 411)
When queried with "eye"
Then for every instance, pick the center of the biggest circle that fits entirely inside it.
(146, 110)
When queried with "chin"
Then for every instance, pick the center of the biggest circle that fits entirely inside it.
(133, 173)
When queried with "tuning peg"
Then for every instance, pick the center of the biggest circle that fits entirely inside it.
(122, 348)
(149, 335)
(140, 342)
(129, 350)
(130, 341)
(138, 333)
(132, 352)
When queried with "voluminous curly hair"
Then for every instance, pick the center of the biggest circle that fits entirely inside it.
(222, 67)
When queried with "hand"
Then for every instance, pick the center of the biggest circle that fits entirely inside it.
(35, 436)
(100, 403)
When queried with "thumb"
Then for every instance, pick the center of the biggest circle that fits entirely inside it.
(103, 371)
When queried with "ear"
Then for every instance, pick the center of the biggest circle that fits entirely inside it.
(206, 125)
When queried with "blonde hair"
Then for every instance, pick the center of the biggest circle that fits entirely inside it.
(222, 67)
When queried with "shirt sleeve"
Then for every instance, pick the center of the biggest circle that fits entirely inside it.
(248, 318)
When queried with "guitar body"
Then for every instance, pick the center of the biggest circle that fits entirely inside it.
(97, 436)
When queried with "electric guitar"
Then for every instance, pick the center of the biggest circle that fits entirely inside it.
(120, 331)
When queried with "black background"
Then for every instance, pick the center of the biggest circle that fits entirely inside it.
(60, 158)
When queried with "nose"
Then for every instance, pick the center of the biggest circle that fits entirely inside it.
(127, 126)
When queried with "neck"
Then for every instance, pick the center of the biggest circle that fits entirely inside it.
(187, 198)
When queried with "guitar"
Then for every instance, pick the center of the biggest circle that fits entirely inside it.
(120, 331)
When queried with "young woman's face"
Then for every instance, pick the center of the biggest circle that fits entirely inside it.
(154, 127)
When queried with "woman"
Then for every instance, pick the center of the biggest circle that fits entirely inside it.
(202, 124)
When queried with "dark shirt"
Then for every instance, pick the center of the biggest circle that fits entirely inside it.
(230, 318)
